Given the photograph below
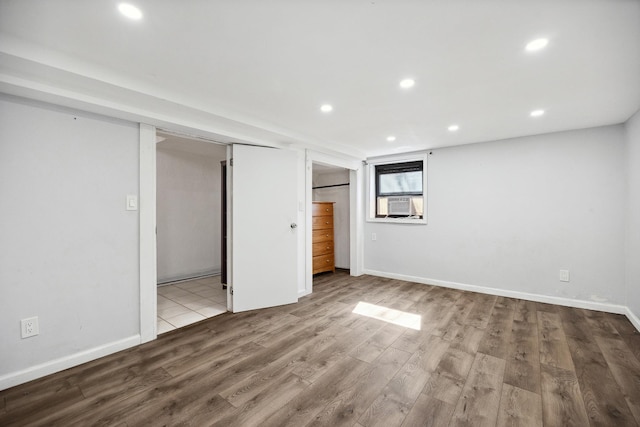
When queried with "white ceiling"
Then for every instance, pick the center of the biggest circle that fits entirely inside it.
(259, 70)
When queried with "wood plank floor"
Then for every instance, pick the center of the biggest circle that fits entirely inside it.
(476, 360)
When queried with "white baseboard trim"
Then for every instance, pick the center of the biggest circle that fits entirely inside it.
(635, 321)
(589, 305)
(190, 276)
(20, 377)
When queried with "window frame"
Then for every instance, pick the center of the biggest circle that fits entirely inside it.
(408, 167)
(373, 191)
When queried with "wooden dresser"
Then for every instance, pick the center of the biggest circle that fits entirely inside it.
(322, 221)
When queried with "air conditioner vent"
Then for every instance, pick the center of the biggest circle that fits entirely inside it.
(399, 205)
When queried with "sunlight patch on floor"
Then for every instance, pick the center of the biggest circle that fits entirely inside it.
(397, 317)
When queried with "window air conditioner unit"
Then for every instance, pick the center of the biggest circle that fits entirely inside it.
(399, 205)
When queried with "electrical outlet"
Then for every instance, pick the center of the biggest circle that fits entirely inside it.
(373, 236)
(564, 275)
(29, 327)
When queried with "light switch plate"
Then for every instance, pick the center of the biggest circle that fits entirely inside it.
(132, 202)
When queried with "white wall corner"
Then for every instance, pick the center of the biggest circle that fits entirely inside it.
(147, 218)
(357, 185)
(303, 247)
(635, 320)
(632, 220)
(303, 293)
(308, 269)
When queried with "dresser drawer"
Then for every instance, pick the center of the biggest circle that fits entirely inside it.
(322, 248)
(322, 209)
(323, 263)
(322, 231)
(322, 235)
(321, 222)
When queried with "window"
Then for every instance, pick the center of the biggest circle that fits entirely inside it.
(399, 190)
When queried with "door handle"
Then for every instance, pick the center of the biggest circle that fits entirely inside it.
(294, 225)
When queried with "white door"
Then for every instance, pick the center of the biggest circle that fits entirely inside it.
(263, 239)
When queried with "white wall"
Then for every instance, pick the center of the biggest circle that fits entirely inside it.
(633, 215)
(510, 214)
(68, 247)
(341, 219)
(188, 210)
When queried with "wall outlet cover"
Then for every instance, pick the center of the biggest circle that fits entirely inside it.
(564, 275)
(29, 327)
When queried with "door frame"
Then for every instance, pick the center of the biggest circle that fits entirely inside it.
(147, 229)
(356, 213)
(147, 203)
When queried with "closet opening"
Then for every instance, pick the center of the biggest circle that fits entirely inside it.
(189, 196)
(330, 222)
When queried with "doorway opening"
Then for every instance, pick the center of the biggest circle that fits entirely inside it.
(332, 184)
(189, 230)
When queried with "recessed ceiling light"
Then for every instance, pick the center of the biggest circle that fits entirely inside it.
(537, 44)
(537, 113)
(453, 128)
(130, 11)
(407, 83)
(326, 108)
(391, 138)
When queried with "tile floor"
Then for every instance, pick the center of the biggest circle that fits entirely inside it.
(189, 301)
